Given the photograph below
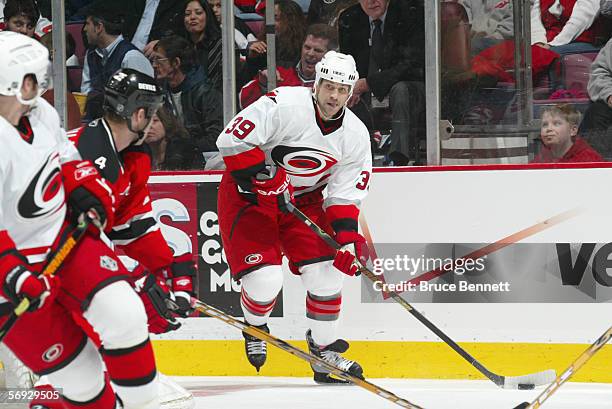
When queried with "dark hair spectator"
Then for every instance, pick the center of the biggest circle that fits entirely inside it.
(290, 28)
(170, 143)
(21, 16)
(204, 32)
(108, 52)
(192, 99)
(560, 140)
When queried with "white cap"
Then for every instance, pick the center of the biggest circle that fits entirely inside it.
(21, 56)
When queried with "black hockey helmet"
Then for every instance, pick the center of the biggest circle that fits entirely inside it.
(128, 90)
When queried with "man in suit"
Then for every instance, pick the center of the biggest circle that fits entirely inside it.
(387, 40)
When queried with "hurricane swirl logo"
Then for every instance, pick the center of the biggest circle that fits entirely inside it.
(44, 194)
(303, 161)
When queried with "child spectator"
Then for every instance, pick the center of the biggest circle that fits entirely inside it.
(559, 133)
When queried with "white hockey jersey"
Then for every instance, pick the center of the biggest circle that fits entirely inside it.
(32, 202)
(285, 128)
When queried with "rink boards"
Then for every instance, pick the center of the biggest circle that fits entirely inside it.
(544, 232)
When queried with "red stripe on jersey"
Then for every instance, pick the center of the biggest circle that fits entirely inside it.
(244, 160)
(336, 212)
(75, 134)
(151, 250)
(35, 250)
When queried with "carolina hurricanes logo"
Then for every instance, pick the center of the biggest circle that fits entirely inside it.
(45, 194)
(303, 161)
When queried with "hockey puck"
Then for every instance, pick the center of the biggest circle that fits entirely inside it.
(526, 386)
(522, 405)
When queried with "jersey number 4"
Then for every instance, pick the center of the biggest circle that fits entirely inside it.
(240, 128)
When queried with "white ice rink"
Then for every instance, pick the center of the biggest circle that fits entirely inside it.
(302, 393)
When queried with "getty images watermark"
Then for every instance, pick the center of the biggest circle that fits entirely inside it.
(436, 266)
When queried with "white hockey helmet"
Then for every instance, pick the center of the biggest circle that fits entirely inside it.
(336, 67)
(21, 56)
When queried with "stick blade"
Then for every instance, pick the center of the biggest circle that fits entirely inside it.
(529, 381)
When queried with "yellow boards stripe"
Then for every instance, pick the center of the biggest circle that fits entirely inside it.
(386, 359)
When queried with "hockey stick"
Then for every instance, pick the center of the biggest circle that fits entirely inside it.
(507, 382)
(569, 372)
(285, 346)
(54, 263)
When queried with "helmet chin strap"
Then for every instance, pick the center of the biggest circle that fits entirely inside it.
(141, 134)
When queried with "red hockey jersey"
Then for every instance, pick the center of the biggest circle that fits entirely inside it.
(135, 231)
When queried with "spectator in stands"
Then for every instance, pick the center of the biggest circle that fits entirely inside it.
(108, 52)
(21, 16)
(193, 100)
(290, 28)
(204, 33)
(567, 26)
(597, 121)
(327, 11)
(170, 143)
(72, 60)
(24, 17)
(320, 38)
(560, 140)
(491, 22)
(243, 36)
(606, 8)
(155, 19)
(387, 40)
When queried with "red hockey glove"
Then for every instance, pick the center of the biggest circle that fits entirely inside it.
(156, 296)
(181, 273)
(86, 190)
(20, 283)
(273, 189)
(353, 244)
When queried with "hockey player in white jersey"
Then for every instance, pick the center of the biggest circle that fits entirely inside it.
(290, 145)
(40, 170)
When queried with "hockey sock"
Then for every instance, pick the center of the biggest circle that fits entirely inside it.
(255, 312)
(322, 313)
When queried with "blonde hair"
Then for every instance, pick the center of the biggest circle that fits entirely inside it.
(565, 111)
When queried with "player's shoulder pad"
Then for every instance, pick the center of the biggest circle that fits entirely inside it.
(95, 144)
(143, 148)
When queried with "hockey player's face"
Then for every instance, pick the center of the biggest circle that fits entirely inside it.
(313, 50)
(215, 5)
(374, 8)
(195, 18)
(331, 98)
(556, 131)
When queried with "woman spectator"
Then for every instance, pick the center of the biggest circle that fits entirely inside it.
(559, 133)
(192, 99)
(290, 28)
(170, 143)
(204, 33)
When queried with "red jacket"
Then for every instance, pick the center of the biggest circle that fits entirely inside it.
(554, 25)
(580, 151)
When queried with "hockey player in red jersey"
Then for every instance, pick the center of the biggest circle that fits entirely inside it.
(40, 170)
(291, 145)
(114, 143)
